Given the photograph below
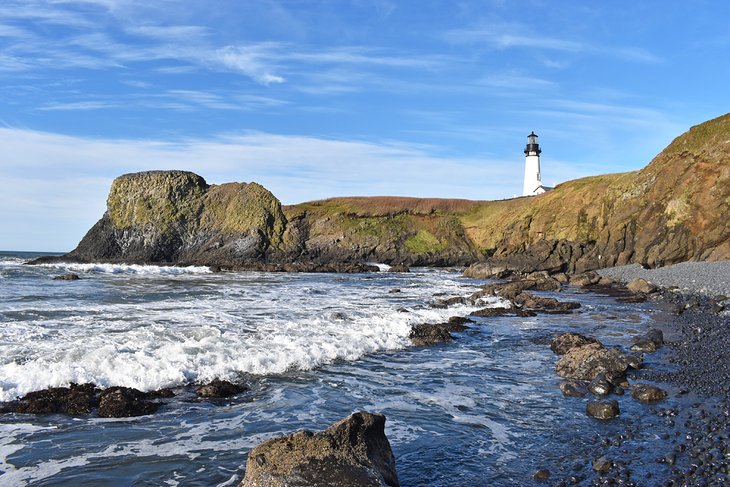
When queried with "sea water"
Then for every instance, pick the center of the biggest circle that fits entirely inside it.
(313, 348)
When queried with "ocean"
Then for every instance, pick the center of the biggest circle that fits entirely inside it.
(484, 409)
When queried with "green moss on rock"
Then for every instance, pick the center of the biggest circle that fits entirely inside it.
(160, 199)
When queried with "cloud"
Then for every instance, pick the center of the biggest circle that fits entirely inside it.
(509, 36)
(62, 180)
(249, 60)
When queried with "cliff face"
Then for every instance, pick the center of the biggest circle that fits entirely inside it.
(673, 210)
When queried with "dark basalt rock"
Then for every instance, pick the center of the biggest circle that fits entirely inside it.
(567, 341)
(600, 386)
(425, 334)
(603, 409)
(542, 475)
(73, 400)
(353, 452)
(647, 393)
(67, 277)
(123, 402)
(490, 312)
(220, 388)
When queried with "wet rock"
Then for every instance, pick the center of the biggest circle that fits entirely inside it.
(338, 316)
(634, 361)
(394, 291)
(546, 283)
(73, 400)
(399, 268)
(647, 393)
(215, 269)
(426, 334)
(643, 345)
(530, 301)
(445, 303)
(602, 465)
(603, 409)
(586, 362)
(562, 343)
(600, 386)
(656, 336)
(490, 312)
(573, 388)
(220, 388)
(352, 452)
(67, 277)
(457, 323)
(542, 475)
(641, 286)
(123, 402)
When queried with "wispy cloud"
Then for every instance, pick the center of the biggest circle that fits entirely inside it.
(508, 36)
(249, 60)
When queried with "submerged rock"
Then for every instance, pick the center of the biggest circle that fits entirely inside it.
(572, 388)
(567, 341)
(353, 452)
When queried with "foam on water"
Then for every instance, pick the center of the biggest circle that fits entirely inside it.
(129, 269)
(178, 329)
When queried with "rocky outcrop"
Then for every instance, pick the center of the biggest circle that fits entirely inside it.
(672, 210)
(353, 452)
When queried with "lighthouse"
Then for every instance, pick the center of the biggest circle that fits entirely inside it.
(533, 181)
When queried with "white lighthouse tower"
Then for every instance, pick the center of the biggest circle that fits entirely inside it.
(533, 181)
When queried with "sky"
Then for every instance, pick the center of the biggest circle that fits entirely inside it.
(315, 99)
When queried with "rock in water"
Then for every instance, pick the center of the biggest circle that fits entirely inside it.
(353, 452)
(647, 393)
(603, 409)
(563, 343)
(67, 277)
(425, 334)
(586, 362)
(220, 388)
(123, 402)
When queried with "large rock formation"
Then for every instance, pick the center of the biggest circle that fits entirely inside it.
(673, 210)
(353, 452)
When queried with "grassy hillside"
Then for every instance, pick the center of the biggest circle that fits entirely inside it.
(674, 209)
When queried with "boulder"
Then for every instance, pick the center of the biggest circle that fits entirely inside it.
(567, 341)
(603, 409)
(586, 362)
(490, 312)
(123, 402)
(353, 452)
(647, 393)
(487, 270)
(640, 286)
(585, 279)
(220, 388)
(399, 268)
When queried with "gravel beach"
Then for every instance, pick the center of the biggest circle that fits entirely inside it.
(706, 278)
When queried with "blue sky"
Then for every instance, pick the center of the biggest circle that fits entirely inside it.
(315, 99)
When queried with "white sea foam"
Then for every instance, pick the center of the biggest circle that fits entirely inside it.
(215, 326)
(129, 269)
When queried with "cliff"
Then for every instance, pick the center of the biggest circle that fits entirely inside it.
(675, 209)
